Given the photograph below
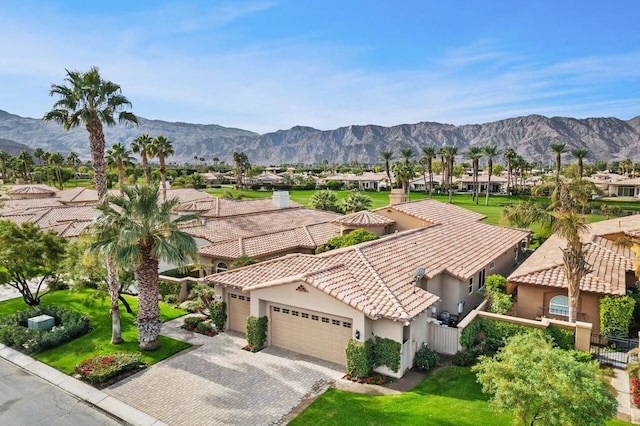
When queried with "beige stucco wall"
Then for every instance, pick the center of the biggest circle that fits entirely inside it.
(403, 221)
(378, 230)
(213, 261)
(531, 298)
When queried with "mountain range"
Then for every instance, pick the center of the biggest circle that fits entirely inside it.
(530, 136)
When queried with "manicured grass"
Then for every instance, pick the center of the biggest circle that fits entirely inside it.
(97, 341)
(450, 396)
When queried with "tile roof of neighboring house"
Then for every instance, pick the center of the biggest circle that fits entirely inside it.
(484, 178)
(435, 212)
(66, 221)
(78, 195)
(627, 182)
(31, 190)
(306, 236)
(233, 227)
(609, 260)
(436, 178)
(376, 277)
(364, 218)
(364, 177)
(223, 207)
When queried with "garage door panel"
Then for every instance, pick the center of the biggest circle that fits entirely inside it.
(239, 311)
(310, 333)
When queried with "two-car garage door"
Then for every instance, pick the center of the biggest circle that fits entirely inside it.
(311, 333)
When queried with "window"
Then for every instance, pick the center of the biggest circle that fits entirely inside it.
(234, 296)
(481, 278)
(295, 313)
(626, 191)
(325, 320)
(314, 317)
(335, 322)
(276, 309)
(305, 315)
(241, 297)
(470, 285)
(559, 305)
(285, 311)
(221, 267)
(346, 324)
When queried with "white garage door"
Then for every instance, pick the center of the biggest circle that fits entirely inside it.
(310, 333)
(238, 311)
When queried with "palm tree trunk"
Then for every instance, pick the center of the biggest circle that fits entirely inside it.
(116, 333)
(430, 179)
(486, 201)
(121, 177)
(163, 176)
(450, 167)
(148, 294)
(145, 167)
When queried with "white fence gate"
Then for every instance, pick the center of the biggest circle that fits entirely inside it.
(444, 340)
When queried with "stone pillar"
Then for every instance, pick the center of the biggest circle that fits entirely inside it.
(583, 336)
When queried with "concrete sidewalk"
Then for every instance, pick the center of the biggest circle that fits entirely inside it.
(627, 411)
(80, 390)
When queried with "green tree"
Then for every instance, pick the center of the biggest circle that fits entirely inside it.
(119, 156)
(241, 164)
(27, 253)
(243, 260)
(355, 202)
(4, 158)
(138, 229)
(324, 200)
(39, 154)
(73, 161)
(616, 313)
(56, 160)
(403, 173)
(475, 153)
(559, 149)
(352, 238)
(489, 151)
(26, 161)
(545, 385)
(449, 152)
(387, 156)
(426, 160)
(580, 154)
(140, 145)
(161, 148)
(87, 99)
(510, 155)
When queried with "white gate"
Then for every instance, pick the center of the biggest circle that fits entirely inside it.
(444, 340)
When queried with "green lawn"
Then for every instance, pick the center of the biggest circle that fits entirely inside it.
(450, 396)
(66, 356)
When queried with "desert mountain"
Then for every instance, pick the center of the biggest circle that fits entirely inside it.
(530, 136)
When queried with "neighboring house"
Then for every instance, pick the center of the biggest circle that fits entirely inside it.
(624, 188)
(498, 184)
(265, 178)
(370, 221)
(602, 180)
(419, 185)
(211, 207)
(367, 180)
(316, 304)
(540, 282)
(213, 178)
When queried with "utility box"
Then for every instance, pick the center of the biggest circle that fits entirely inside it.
(41, 322)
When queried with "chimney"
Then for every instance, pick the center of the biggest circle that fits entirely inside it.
(397, 196)
(281, 199)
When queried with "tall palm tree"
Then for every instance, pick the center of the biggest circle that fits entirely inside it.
(559, 149)
(26, 161)
(407, 154)
(39, 154)
(56, 160)
(138, 229)
(580, 154)
(119, 156)
(4, 158)
(387, 156)
(509, 155)
(242, 163)
(489, 151)
(428, 154)
(87, 99)
(403, 173)
(449, 153)
(161, 148)
(475, 153)
(73, 160)
(140, 145)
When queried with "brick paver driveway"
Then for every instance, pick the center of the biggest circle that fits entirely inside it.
(219, 383)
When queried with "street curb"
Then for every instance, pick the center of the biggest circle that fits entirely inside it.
(79, 389)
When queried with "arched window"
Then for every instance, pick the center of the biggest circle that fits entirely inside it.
(559, 305)
(221, 266)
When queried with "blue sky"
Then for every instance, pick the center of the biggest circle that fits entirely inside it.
(269, 65)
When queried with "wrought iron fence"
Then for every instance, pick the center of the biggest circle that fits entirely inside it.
(612, 350)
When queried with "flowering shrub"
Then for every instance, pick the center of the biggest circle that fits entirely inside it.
(635, 391)
(376, 379)
(199, 325)
(100, 368)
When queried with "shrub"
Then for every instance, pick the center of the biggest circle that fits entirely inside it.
(359, 358)
(218, 314)
(100, 368)
(500, 303)
(168, 288)
(171, 299)
(192, 322)
(205, 327)
(466, 358)
(616, 313)
(425, 359)
(635, 391)
(68, 325)
(256, 333)
(496, 282)
(387, 352)
(191, 305)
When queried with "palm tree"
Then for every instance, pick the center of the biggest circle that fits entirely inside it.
(161, 147)
(403, 173)
(509, 155)
(57, 160)
(355, 202)
(26, 161)
(449, 153)
(489, 151)
(39, 154)
(475, 153)
(428, 154)
(559, 149)
(580, 154)
(140, 146)
(73, 160)
(242, 163)
(119, 156)
(387, 156)
(4, 158)
(138, 229)
(90, 100)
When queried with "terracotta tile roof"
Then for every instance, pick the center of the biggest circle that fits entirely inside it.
(78, 195)
(435, 212)
(609, 260)
(376, 277)
(240, 207)
(365, 218)
(66, 221)
(31, 190)
(627, 182)
(198, 205)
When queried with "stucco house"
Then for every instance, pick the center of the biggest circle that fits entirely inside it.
(316, 304)
(498, 184)
(540, 282)
(366, 180)
(624, 188)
